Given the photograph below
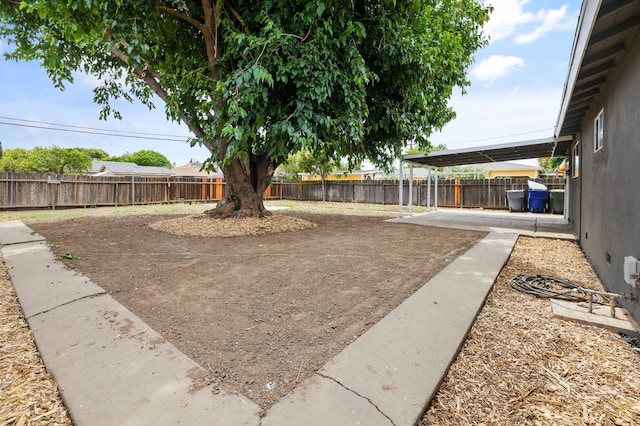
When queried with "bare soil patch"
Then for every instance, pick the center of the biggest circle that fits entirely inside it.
(260, 312)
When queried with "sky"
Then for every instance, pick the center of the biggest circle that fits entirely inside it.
(515, 94)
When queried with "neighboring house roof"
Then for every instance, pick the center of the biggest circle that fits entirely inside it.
(114, 168)
(192, 169)
(504, 166)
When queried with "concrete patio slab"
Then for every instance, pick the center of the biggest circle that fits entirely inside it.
(14, 231)
(530, 224)
(600, 315)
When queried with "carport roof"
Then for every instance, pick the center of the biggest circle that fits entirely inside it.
(521, 150)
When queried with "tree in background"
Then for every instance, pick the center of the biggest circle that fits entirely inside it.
(13, 160)
(95, 153)
(256, 81)
(0, 149)
(319, 164)
(45, 160)
(147, 157)
(550, 164)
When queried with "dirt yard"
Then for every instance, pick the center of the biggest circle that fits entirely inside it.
(260, 312)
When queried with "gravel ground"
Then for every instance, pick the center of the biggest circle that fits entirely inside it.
(519, 365)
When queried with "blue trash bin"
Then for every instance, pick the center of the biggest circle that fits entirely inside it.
(537, 200)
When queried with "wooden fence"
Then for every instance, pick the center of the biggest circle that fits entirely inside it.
(486, 193)
(35, 190)
(26, 190)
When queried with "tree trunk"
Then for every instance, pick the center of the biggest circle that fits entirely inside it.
(245, 186)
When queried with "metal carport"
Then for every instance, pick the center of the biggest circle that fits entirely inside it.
(521, 150)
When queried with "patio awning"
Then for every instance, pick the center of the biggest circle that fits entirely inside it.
(521, 150)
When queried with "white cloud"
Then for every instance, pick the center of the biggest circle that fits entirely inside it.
(509, 16)
(495, 67)
(550, 20)
(1, 47)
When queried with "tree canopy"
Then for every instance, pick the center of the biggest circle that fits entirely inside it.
(45, 159)
(95, 153)
(258, 80)
(550, 164)
(71, 160)
(144, 157)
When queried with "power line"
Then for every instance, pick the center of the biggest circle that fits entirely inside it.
(183, 139)
(90, 130)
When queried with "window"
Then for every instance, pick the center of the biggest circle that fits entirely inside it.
(598, 132)
(575, 155)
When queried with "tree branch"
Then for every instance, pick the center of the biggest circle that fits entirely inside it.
(210, 34)
(236, 15)
(188, 19)
(150, 76)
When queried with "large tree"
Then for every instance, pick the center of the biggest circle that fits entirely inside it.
(257, 80)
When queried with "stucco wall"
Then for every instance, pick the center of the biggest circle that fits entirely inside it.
(609, 222)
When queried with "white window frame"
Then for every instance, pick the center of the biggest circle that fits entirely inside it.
(598, 131)
(575, 160)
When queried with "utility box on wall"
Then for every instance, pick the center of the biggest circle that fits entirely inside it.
(632, 271)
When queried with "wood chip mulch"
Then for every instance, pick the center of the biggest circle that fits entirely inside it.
(28, 393)
(204, 226)
(521, 366)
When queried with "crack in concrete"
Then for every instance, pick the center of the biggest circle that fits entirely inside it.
(356, 393)
(89, 296)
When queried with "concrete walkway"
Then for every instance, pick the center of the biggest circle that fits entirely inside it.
(114, 369)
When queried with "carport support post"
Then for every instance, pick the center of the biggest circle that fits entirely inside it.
(435, 196)
(429, 189)
(411, 189)
(400, 187)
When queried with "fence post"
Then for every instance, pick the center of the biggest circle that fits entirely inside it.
(436, 190)
(411, 189)
(133, 191)
(52, 190)
(429, 189)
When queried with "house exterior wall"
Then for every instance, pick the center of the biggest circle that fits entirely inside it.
(608, 187)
